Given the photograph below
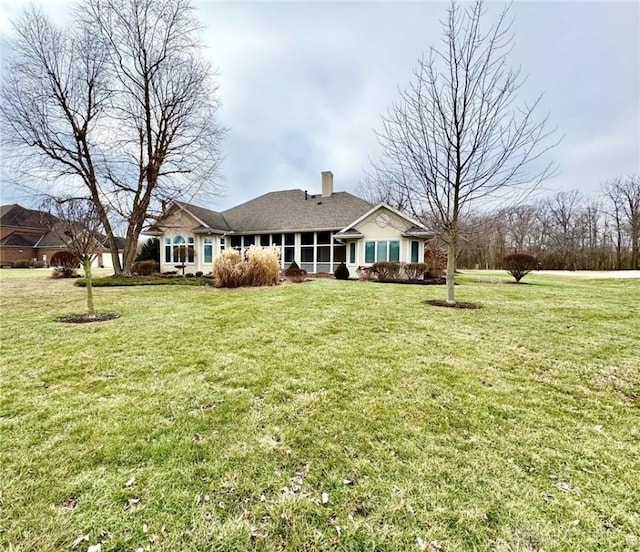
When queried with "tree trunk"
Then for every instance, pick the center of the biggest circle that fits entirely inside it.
(86, 265)
(451, 268)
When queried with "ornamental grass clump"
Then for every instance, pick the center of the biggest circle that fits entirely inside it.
(262, 266)
(252, 267)
(228, 269)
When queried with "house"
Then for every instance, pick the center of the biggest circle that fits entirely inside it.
(318, 231)
(27, 235)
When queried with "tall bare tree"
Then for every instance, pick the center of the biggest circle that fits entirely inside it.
(624, 199)
(121, 104)
(455, 138)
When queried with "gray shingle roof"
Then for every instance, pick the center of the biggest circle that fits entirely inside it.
(16, 215)
(213, 219)
(288, 210)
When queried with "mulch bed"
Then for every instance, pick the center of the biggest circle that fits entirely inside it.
(86, 318)
(456, 305)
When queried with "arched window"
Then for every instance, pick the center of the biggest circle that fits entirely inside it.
(172, 249)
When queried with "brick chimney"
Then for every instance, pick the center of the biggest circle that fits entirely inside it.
(327, 183)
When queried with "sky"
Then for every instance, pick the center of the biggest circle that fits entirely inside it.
(303, 85)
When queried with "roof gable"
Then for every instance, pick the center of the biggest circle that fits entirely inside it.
(416, 224)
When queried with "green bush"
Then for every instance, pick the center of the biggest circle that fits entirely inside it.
(190, 275)
(38, 264)
(388, 271)
(292, 268)
(149, 251)
(199, 274)
(65, 264)
(415, 271)
(341, 272)
(22, 264)
(145, 268)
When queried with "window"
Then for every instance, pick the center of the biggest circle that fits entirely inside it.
(289, 248)
(415, 251)
(167, 250)
(369, 252)
(222, 244)
(249, 241)
(276, 239)
(174, 247)
(352, 253)
(236, 242)
(381, 251)
(208, 250)
(264, 240)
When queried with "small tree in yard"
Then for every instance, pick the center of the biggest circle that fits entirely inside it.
(456, 138)
(519, 265)
(78, 227)
(149, 251)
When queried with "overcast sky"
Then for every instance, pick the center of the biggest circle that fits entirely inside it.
(303, 85)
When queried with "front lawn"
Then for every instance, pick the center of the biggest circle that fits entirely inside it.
(329, 415)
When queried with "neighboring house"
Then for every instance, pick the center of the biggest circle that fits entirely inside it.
(27, 235)
(317, 231)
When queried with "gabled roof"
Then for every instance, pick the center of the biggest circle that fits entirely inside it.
(417, 227)
(295, 210)
(208, 218)
(16, 215)
(21, 239)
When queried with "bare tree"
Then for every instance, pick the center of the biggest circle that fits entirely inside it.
(455, 138)
(78, 225)
(623, 195)
(121, 105)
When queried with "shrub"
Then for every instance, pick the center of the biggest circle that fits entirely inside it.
(199, 274)
(149, 250)
(295, 274)
(367, 273)
(190, 275)
(519, 265)
(415, 271)
(388, 271)
(65, 264)
(341, 272)
(436, 261)
(146, 268)
(22, 264)
(291, 268)
(38, 264)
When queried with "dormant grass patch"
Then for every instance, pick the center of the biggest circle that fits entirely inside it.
(330, 416)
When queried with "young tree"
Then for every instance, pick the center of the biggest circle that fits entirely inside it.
(456, 138)
(120, 105)
(79, 228)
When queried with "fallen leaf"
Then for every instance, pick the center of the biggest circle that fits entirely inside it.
(95, 548)
(564, 486)
(70, 503)
(130, 482)
(434, 546)
(325, 498)
(347, 482)
(198, 437)
(145, 528)
(421, 544)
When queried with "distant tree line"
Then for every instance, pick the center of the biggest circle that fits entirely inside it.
(565, 231)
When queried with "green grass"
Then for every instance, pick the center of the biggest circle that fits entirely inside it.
(512, 427)
(127, 281)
